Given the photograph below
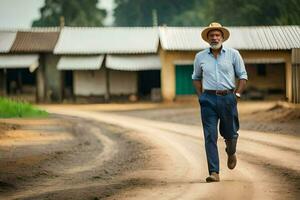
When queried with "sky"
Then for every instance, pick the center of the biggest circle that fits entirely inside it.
(21, 13)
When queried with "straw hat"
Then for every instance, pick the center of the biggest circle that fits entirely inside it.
(215, 26)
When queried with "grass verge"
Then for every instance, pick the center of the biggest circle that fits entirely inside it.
(10, 109)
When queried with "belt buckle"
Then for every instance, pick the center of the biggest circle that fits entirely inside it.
(221, 93)
(218, 93)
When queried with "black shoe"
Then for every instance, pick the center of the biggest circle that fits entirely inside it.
(231, 161)
(230, 150)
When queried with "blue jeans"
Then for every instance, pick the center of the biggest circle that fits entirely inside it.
(214, 109)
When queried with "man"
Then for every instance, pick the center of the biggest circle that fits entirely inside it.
(215, 69)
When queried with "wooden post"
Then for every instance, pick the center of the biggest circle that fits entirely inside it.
(3, 82)
(107, 94)
(295, 76)
(40, 81)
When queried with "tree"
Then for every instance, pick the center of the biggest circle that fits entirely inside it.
(254, 12)
(202, 12)
(139, 12)
(75, 13)
(289, 12)
(197, 16)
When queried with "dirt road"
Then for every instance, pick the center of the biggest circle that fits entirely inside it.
(166, 161)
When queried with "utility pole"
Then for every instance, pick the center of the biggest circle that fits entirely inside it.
(61, 22)
(154, 17)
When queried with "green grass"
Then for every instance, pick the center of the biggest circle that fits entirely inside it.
(10, 109)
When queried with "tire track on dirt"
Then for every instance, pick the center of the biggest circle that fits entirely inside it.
(119, 154)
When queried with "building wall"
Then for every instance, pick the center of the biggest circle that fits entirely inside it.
(282, 54)
(89, 82)
(168, 60)
(122, 82)
(273, 79)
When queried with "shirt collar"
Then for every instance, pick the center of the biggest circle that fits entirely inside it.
(224, 49)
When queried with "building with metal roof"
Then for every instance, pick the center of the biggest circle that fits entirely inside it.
(25, 54)
(128, 52)
(266, 50)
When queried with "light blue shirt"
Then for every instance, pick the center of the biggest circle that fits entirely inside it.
(220, 73)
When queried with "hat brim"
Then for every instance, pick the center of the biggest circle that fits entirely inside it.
(225, 32)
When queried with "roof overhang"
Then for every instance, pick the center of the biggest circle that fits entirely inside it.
(80, 62)
(133, 62)
(30, 61)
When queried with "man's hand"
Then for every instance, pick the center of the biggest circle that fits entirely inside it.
(241, 86)
(198, 87)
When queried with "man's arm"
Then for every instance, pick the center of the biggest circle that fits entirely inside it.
(198, 86)
(197, 76)
(240, 72)
(241, 86)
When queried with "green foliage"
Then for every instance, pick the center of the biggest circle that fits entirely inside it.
(255, 12)
(203, 12)
(10, 108)
(289, 12)
(139, 12)
(75, 13)
(197, 16)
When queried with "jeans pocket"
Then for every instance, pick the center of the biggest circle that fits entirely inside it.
(200, 98)
(230, 100)
(234, 98)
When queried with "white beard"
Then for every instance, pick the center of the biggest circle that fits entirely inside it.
(216, 46)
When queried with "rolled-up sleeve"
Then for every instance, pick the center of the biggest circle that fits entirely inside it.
(197, 73)
(239, 66)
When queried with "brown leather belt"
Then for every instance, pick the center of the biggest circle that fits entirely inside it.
(219, 92)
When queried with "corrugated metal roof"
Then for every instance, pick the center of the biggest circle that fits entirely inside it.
(264, 38)
(242, 38)
(107, 40)
(133, 62)
(140, 40)
(80, 62)
(19, 61)
(7, 39)
(35, 40)
(181, 38)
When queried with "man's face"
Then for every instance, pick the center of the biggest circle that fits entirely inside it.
(215, 38)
